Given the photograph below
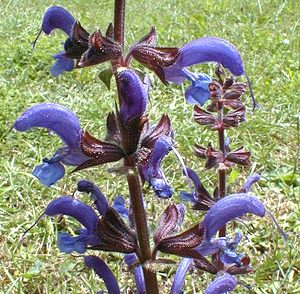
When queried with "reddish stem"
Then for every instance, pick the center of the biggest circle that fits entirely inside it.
(221, 171)
(140, 220)
(119, 22)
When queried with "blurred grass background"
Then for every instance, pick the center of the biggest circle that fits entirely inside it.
(267, 34)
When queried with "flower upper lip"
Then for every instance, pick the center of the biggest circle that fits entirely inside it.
(65, 124)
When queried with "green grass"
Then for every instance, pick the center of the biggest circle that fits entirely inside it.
(267, 34)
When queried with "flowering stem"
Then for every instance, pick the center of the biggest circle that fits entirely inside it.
(133, 180)
(140, 220)
(222, 170)
(119, 22)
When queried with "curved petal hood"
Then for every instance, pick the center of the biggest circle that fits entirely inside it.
(55, 117)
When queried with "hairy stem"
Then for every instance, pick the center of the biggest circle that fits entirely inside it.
(119, 21)
(140, 219)
(221, 171)
(134, 184)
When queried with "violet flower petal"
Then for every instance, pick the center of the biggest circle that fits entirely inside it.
(68, 244)
(152, 171)
(207, 49)
(186, 196)
(207, 248)
(99, 199)
(250, 181)
(103, 271)
(138, 273)
(198, 92)
(49, 173)
(67, 205)
(222, 285)
(133, 93)
(231, 256)
(57, 17)
(55, 117)
(119, 206)
(228, 208)
(181, 272)
(73, 157)
(51, 170)
(61, 65)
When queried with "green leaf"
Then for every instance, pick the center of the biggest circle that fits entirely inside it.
(105, 77)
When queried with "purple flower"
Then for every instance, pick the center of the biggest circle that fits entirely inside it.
(249, 182)
(100, 200)
(200, 197)
(119, 206)
(57, 17)
(222, 284)
(198, 92)
(228, 208)
(130, 259)
(181, 272)
(198, 242)
(152, 171)
(65, 124)
(103, 271)
(83, 213)
(206, 49)
(223, 211)
(133, 94)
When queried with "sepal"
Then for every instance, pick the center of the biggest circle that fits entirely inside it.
(100, 151)
(239, 156)
(183, 244)
(162, 128)
(77, 43)
(101, 49)
(155, 58)
(233, 118)
(168, 223)
(205, 265)
(115, 235)
(112, 129)
(152, 57)
(204, 117)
